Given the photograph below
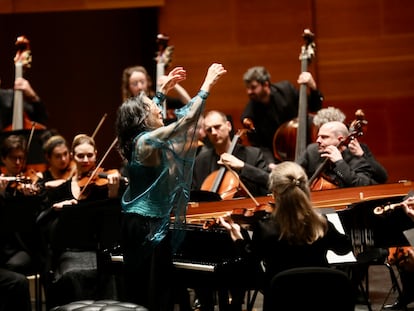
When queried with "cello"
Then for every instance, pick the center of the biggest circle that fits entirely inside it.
(223, 181)
(318, 181)
(297, 129)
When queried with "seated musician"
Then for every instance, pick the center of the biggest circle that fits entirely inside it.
(17, 188)
(74, 270)
(379, 173)
(281, 241)
(61, 167)
(32, 104)
(248, 162)
(18, 255)
(342, 168)
(406, 267)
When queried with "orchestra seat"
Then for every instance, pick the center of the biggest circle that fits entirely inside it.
(112, 305)
(310, 288)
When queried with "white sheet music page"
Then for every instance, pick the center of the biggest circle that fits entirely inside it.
(331, 256)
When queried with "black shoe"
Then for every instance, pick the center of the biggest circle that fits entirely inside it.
(397, 305)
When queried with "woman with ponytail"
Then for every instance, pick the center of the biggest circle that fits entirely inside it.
(294, 234)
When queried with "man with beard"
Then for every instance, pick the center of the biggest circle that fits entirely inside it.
(272, 104)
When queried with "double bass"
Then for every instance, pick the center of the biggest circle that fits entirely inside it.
(21, 123)
(291, 138)
(163, 58)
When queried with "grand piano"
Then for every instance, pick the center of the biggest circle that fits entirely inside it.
(208, 250)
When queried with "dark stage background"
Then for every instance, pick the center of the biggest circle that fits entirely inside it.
(78, 58)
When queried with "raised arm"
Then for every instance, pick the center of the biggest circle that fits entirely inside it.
(215, 71)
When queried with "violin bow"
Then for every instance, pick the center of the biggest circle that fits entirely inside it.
(98, 166)
(241, 184)
(29, 142)
(99, 125)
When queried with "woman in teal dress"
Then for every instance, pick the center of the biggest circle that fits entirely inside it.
(160, 162)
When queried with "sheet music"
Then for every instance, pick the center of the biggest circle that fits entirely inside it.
(409, 234)
(331, 256)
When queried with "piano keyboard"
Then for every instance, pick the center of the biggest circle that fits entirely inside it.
(206, 267)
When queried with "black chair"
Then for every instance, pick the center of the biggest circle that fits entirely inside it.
(84, 230)
(310, 288)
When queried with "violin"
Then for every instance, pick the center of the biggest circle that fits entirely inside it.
(99, 179)
(24, 182)
(94, 178)
(242, 216)
(385, 209)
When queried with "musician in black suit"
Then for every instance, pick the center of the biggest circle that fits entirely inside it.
(343, 169)
(379, 173)
(272, 104)
(32, 104)
(248, 162)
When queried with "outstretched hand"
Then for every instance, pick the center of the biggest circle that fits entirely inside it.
(214, 72)
(175, 76)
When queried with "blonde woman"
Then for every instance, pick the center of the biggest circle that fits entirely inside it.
(294, 234)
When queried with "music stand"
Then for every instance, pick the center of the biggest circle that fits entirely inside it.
(88, 225)
(384, 230)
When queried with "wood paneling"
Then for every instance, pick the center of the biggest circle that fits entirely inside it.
(364, 58)
(30, 6)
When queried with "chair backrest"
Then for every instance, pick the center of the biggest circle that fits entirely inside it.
(310, 288)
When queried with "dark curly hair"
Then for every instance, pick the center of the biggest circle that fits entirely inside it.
(130, 121)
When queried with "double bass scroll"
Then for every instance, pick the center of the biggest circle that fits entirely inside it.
(163, 58)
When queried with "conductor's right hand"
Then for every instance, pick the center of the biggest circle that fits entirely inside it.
(215, 71)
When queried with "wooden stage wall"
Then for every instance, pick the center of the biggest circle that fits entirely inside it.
(364, 57)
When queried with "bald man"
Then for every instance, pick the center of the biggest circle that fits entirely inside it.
(342, 169)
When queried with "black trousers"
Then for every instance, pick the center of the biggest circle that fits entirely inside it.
(148, 268)
(14, 291)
